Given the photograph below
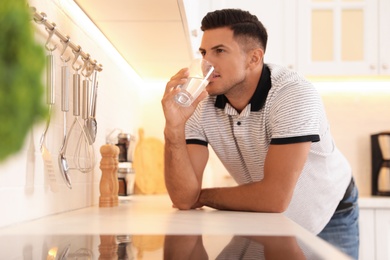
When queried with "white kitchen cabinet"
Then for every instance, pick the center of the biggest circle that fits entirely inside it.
(382, 238)
(367, 234)
(384, 37)
(374, 227)
(314, 37)
(278, 18)
(343, 37)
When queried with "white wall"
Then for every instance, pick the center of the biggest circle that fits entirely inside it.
(355, 111)
(117, 107)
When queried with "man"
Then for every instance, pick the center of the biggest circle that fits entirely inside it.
(268, 127)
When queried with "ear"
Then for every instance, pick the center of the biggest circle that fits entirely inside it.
(256, 57)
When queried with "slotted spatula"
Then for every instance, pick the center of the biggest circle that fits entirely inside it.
(47, 160)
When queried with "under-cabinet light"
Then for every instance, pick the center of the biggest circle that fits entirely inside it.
(77, 15)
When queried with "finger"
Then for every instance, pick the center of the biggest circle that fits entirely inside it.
(178, 79)
(180, 74)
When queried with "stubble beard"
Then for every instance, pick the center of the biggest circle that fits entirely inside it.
(234, 87)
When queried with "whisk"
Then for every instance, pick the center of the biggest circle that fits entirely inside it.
(83, 153)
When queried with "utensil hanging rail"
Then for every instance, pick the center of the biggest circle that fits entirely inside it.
(41, 18)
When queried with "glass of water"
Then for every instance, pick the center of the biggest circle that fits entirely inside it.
(200, 71)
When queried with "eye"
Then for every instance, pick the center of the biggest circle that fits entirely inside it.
(203, 53)
(219, 50)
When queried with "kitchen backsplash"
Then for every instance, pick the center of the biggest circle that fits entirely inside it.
(357, 110)
(24, 190)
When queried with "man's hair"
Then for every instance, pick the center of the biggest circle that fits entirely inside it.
(242, 23)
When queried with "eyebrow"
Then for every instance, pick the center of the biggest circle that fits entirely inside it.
(213, 48)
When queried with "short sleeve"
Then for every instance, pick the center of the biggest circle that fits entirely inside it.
(295, 114)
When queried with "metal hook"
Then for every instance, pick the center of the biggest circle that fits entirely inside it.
(44, 17)
(64, 46)
(51, 33)
(86, 67)
(95, 65)
(92, 69)
(76, 56)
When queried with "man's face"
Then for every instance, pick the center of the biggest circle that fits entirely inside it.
(223, 51)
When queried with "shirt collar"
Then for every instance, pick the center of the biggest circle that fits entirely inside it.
(258, 99)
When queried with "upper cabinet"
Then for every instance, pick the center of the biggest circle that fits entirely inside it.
(278, 18)
(384, 37)
(314, 37)
(343, 37)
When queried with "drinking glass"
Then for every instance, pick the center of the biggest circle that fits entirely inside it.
(200, 71)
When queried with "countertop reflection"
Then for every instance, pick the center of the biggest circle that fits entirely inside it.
(148, 227)
(154, 247)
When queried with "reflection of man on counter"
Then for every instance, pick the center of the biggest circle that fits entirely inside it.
(268, 127)
(239, 247)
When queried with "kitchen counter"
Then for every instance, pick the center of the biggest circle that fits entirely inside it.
(148, 227)
(374, 202)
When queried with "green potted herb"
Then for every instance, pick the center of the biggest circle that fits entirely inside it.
(22, 62)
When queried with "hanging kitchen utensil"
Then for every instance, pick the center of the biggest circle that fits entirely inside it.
(85, 155)
(90, 123)
(50, 81)
(30, 166)
(77, 126)
(64, 254)
(63, 164)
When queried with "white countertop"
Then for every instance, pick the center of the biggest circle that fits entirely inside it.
(151, 215)
(374, 202)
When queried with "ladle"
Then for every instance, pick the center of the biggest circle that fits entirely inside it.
(63, 163)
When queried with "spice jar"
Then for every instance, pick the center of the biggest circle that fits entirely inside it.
(123, 144)
(126, 179)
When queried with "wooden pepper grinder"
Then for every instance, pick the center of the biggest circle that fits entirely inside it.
(108, 247)
(109, 181)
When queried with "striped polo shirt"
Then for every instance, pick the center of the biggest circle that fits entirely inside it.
(284, 109)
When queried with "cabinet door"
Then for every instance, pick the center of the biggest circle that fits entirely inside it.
(367, 234)
(382, 231)
(338, 37)
(384, 37)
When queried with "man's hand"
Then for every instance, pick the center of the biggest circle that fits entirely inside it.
(176, 115)
(182, 170)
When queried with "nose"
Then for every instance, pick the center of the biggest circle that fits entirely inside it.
(209, 59)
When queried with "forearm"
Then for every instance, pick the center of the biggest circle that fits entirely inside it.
(257, 197)
(273, 193)
(180, 179)
(184, 247)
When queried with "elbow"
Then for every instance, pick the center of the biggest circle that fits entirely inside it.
(183, 202)
(280, 202)
(182, 206)
(276, 206)
(280, 206)
(277, 209)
